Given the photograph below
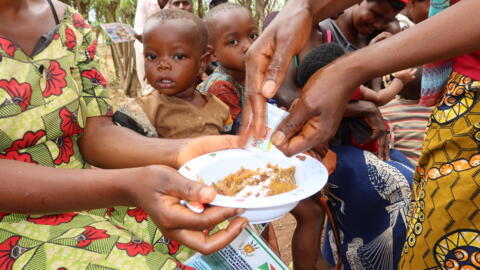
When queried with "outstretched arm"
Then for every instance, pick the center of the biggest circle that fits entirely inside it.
(323, 99)
(29, 188)
(268, 58)
(386, 94)
(106, 145)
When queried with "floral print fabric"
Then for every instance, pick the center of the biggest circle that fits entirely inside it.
(44, 103)
(45, 99)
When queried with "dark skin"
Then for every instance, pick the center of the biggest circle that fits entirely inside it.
(172, 64)
(231, 34)
(319, 113)
(289, 91)
(306, 239)
(186, 5)
(417, 10)
(29, 13)
(162, 3)
(145, 181)
(359, 22)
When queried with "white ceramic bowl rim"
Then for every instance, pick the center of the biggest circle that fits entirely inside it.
(314, 176)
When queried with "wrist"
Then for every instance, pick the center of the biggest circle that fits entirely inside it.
(167, 151)
(124, 183)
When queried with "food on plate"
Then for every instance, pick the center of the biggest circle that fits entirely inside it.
(262, 182)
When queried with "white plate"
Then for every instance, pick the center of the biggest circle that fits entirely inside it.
(310, 176)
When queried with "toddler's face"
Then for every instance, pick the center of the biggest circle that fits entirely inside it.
(234, 31)
(172, 56)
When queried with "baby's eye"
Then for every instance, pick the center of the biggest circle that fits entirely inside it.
(233, 42)
(150, 56)
(253, 36)
(179, 56)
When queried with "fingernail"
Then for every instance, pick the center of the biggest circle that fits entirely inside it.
(207, 193)
(268, 89)
(278, 138)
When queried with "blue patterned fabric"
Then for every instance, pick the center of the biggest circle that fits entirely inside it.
(370, 199)
(435, 75)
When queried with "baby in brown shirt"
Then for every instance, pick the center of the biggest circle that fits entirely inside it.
(175, 51)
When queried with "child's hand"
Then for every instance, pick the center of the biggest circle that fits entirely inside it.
(329, 159)
(193, 148)
(380, 37)
(406, 75)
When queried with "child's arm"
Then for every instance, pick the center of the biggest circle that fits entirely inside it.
(388, 93)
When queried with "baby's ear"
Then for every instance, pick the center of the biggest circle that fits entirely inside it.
(205, 59)
(213, 55)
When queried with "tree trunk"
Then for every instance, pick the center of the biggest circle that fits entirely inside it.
(260, 12)
(123, 55)
(200, 8)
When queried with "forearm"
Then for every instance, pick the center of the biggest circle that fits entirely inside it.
(383, 96)
(29, 188)
(418, 45)
(108, 146)
(389, 92)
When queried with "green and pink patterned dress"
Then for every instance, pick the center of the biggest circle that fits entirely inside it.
(45, 100)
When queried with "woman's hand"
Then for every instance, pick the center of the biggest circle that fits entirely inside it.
(158, 190)
(373, 117)
(379, 133)
(268, 58)
(267, 63)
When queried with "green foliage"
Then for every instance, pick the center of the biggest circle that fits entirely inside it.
(105, 11)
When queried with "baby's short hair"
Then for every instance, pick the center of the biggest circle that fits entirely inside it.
(179, 14)
(212, 14)
(316, 59)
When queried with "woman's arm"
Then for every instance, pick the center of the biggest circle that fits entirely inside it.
(29, 188)
(268, 58)
(106, 145)
(323, 99)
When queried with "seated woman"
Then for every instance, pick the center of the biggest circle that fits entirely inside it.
(55, 121)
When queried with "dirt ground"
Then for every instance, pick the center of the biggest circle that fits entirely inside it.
(283, 227)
